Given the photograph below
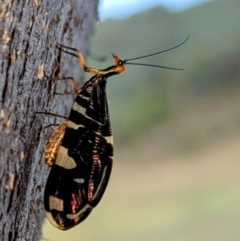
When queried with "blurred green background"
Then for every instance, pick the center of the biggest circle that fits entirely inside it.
(176, 173)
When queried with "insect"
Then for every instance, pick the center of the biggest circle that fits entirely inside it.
(80, 151)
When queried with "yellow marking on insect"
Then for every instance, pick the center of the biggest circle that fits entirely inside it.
(55, 203)
(74, 125)
(100, 184)
(109, 139)
(84, 97)
(63, 160)
(78, 108)
(79, 180)
(78, 214)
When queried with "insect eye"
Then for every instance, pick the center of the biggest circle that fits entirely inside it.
(120, 62)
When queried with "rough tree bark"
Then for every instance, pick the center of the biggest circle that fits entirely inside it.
(29, 30)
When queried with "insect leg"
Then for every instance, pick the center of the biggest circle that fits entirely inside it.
(53, 124)
(73, 82)
(52, 114)
(81, 59)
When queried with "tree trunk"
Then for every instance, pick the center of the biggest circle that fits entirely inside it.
(29, 31)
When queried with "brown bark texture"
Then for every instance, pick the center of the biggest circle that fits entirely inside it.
(29, 30)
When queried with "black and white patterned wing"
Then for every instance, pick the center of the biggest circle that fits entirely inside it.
(83, 165)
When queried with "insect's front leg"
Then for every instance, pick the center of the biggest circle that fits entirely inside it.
(81, 59)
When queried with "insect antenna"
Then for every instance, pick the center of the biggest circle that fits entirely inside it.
(163, 51)
(154, 66)
(150, 55)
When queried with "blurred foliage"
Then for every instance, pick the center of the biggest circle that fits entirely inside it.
(143, 97)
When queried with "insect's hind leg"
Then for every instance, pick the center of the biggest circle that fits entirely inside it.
(52, 114)
(49, 113)
(53, 124)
